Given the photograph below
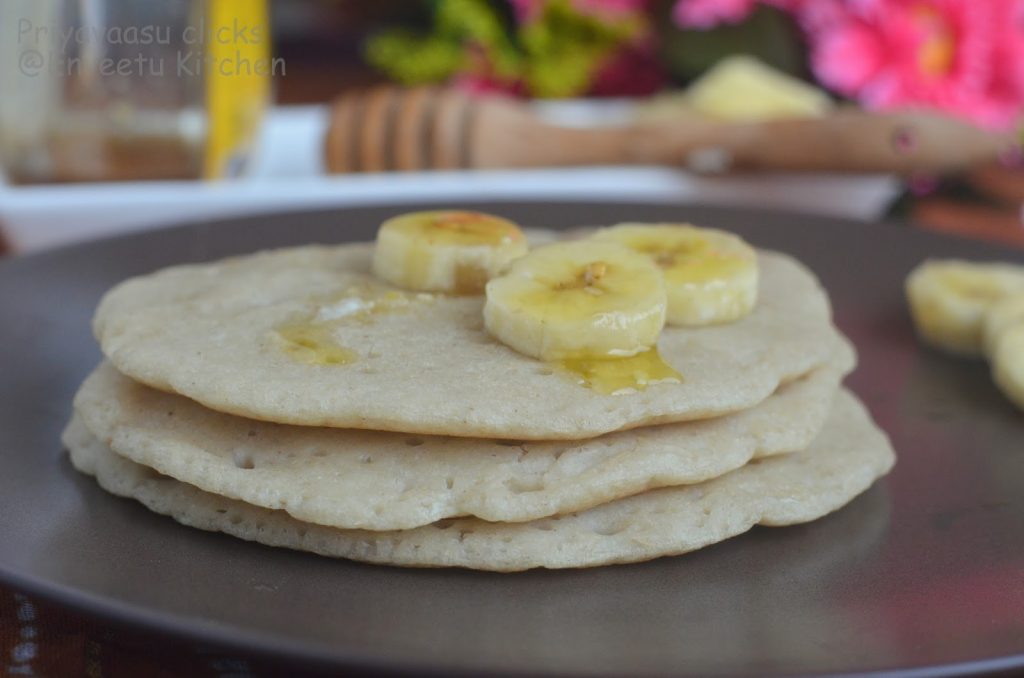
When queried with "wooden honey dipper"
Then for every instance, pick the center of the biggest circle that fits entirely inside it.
(398, 129)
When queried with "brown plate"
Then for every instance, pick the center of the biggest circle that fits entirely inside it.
(925, 571)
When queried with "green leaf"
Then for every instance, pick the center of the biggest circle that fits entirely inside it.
(413, 59)
(477, 21)
(565, 49)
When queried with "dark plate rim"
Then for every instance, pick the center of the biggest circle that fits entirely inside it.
(318, 656)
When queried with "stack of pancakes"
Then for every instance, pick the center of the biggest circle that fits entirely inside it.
(423, 441)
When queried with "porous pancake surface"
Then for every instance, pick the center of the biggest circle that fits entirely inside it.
(845, 459)
(365, 479)
(234, 335)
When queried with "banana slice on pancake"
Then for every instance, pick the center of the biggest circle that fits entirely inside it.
(446, 251)
(576, 300)
(711, 276)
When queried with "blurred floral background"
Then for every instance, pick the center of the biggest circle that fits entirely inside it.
(734, 62)
(963, 57)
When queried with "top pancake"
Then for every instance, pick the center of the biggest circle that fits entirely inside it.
(208, 332)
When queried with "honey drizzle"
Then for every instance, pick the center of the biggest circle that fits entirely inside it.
(615, 376)
(314, 344)
(312, 341)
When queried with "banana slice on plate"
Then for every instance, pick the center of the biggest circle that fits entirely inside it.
(446, 251)
(949, 299)
(1008, 363)
(1003, 315)
(710, 276)
(573, 300)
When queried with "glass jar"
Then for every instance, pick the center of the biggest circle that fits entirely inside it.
(107, 90)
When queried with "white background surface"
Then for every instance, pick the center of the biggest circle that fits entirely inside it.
(288, 174)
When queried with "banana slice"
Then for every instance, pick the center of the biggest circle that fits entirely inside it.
(577, 300)
(446, 251)
(1008, 363)
(1003, 315)
(710, 276)
(949, 299)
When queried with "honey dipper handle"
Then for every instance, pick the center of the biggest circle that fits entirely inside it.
(389, 128)
(505, 135)
(856, 141)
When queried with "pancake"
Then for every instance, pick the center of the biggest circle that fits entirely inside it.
(844, 460)
(385, 481)
(424, 364)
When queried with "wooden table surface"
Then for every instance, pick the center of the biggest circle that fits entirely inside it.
(38, 638)
(988, 204)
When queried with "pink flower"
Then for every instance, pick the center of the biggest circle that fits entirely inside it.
(481, 78)
(631, 72)
(610, 8)
(475, 84)
(526, 10)
(819, 15)
(964, 57)
(710, 13)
